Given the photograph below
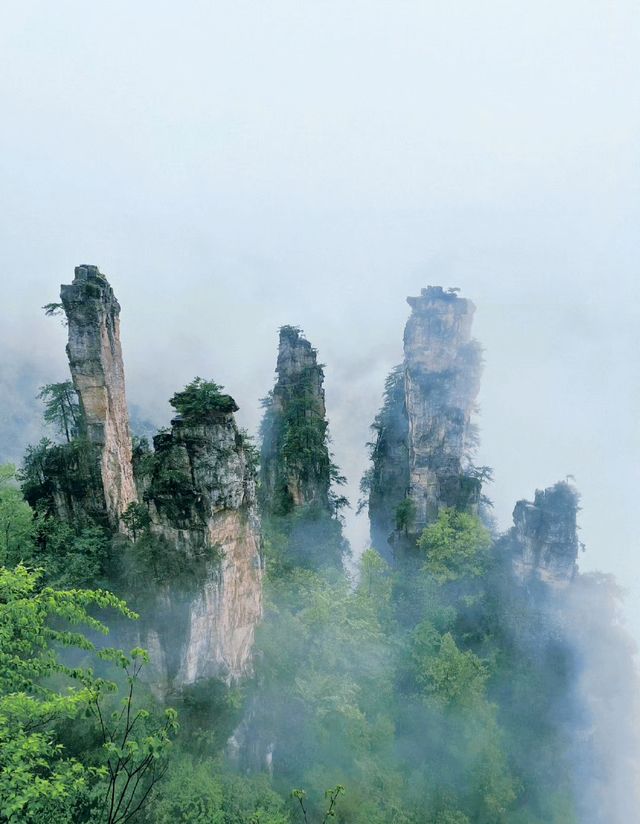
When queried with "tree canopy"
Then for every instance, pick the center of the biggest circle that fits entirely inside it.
(202, 399)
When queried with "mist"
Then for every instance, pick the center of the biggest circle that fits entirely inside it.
(314, 164)
(235, 167)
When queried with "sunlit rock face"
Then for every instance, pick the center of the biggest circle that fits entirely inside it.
(544, 539)
(203, 507)
(289, 478)
(97, 369)
(199, 487)
(424, 434)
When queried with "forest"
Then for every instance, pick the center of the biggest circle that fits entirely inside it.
(187, 636)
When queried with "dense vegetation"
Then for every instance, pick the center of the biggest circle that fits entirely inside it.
(201, 399)
(411, 689)
(69, 749)
(426, 693)
(300, 483)
(415, 688)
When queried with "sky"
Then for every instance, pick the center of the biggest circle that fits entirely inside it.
(235, 166)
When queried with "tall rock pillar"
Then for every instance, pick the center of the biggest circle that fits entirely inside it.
(202, 502)
(95, 360)
(297, 471)
(423, 433)
(442, 380)
(296, 465)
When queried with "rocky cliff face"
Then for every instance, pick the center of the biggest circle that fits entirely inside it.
(200, 489)
(97, 369)
(424, 433)
(297, 471)
(388, 479)
(194, 568)
(442, 372)
(295, 463)
(543, 540)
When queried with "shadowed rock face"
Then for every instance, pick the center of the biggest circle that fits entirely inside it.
(95, 360)
(389, 481)
(295, 472)
(424, 432)
(544, 539)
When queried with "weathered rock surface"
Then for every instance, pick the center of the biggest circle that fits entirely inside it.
(424, 431)
(97, 369)
(196, 575)
(295, 461)
(544, 540)
(442, 380)
(202, 501)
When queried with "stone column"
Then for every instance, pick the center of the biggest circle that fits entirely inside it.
(95, 360)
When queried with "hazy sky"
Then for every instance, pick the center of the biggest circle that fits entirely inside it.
(233, 166)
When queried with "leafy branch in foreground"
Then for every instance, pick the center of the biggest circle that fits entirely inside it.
(331, 796)
(135, 745)
(41, 692)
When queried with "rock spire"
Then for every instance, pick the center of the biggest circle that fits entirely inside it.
(424, 434)
(296, 465)
(544, 540)
(200, 489)
(97, 369)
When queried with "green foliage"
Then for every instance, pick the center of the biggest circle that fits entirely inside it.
(418, 687)
(204, 792)
(136, 518)
(448, 675)
(70, 554)
(34, 475)
(143, 457)
(375, 577)
(325, 686)
(331, 797)
(62, 408)
(392, 396)
(43, 691)
(173, 491)
(16, 519)
(37, 778)
(200, 400)
(251, 451)
(456, 546)
(55, 310)
(211, 710)
(296, 463)
(64, 475)
(299, 483)
(405, 515)
(396, 687)
(134, 743)
(384, 485)
(309, 538)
